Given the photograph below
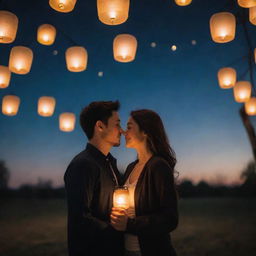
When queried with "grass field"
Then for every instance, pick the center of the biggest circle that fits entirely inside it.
(217, 227)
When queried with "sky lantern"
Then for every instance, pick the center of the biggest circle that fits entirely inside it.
(113, 12)
(5, 76)
(10, 105)
(250, 107)
(46, 34)
(223, 27)
(67, 122)
(62, 5)
(121, 197)
(46, 106)
(76, 59)
(242, 91)
(124, 47)
(227, 78)
(252, 15)
(183, 2)
(8, 27)
(247, 3)
(20, 60)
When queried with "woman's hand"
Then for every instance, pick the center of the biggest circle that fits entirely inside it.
(119, 219)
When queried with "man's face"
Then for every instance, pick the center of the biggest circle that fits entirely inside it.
(112, 132)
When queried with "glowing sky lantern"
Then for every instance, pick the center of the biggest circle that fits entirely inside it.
(242, 91)
(46, 106)
(10, 105)
(5, 76)
(113, 12)
(121, 197)
(76, 59)
(183, 2)
(62, 5)
(124, 48)
(247, 3)
(8, 27)
(227, 78)
(223, 27)
(67, 122)
(46, 34)
(250, 107)
(252, 15)
(20, 60)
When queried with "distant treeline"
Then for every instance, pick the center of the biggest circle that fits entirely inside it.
(186, 189)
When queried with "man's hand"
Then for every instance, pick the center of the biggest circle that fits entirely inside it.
(119, 219)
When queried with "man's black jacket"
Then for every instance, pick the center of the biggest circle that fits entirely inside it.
(89, 184)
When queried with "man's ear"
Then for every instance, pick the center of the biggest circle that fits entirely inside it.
(99, 126)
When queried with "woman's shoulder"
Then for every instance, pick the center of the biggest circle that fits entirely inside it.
(159, 163)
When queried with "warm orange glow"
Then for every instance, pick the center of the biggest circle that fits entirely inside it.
(121, 198)
(252, 15)
(8, 27)
(67, 122)
(227, 78)
(46, 34)
(62, 5)
(125, 47)
(250, 106)
(255, 55)
(242, 91)
(5, 76)
(223, 27)
(113, 12)
(76, 59)
(247, 3)
(183, 2)
(46, 106)
(10, 105)
(20, 60)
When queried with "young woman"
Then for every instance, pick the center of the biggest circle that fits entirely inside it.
(153, 213)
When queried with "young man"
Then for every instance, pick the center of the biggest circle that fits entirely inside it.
(90, 180)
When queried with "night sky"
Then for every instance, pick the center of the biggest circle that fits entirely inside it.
(202, 120)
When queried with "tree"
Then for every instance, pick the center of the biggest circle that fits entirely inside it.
(4, 175)
(249, 177)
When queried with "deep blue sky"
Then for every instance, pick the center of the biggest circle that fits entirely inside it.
(201, 120)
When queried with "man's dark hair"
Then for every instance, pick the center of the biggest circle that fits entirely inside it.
(96, 111)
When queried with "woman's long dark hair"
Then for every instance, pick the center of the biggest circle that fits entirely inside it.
(157, 140)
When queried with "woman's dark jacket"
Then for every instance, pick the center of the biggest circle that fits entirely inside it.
(155, 207)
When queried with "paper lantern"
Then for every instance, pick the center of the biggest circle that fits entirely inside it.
(10, 105)
(67, 122)
(62, 5)
(121, 197)
(227, 78)
(76, 59)
(113, 12)
(46, 34)
(250, 107)
(247, 3)
(20, 60)
(252, 15)
(183, 2)
(125, 47)
(8, 27)
(223, 27)
(5, 76)
(46, 106)
(242, 91)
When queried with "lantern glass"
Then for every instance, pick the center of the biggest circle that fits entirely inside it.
(121, 197)
(223, 27)
(20, 60)
(46, 106)
(76, 59)
(8, 27)
(113, 12)
(124, 48)
(62, 5)
(10, 105)
(250, 107)
(67, 122)
(183, 2)
(242, 91)
(46, 34)
(5, 76)
(247, 3)
(227, 78)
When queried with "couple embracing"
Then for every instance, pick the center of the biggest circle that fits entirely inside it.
(95, 227)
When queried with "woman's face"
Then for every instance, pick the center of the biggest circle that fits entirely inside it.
(133, 136)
